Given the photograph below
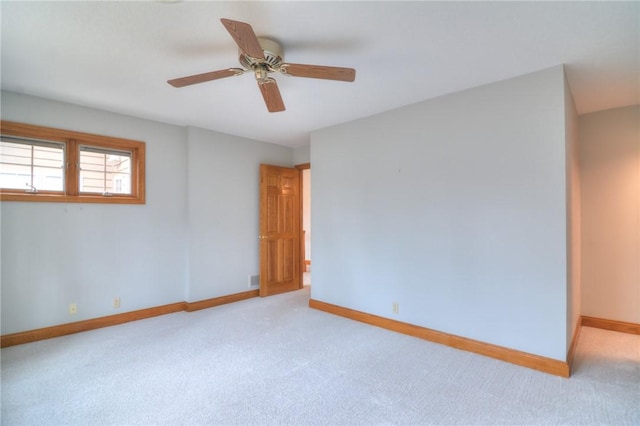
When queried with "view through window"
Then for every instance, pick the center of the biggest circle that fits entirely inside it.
(105, 172)
(31, 165)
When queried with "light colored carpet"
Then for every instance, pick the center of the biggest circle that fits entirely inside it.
(275, 361)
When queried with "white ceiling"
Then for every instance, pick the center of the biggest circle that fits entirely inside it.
(117, 56)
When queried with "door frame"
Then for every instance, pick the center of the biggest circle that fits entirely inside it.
(301, 167)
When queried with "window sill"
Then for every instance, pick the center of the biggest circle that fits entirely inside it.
(61, 198)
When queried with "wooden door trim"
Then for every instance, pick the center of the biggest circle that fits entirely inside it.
(301, 167)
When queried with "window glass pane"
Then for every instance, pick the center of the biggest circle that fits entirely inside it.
(31, 165)
(105, 171)
(48, 179)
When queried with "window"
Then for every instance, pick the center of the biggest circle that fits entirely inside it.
(104, 171)
(44, 164)
(28, 164)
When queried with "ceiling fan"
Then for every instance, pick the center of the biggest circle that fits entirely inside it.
(262, 57)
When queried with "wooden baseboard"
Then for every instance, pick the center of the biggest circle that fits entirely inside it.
(223, 300)
(613, 325)
(574, 343)
(86, 325)
(524, 359)
(94, 323)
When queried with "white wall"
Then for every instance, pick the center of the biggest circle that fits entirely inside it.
(223, 193)
(574, 256)
(301, 155)
(57, 253)
(456, 209)
(610, 171)
(195, 238)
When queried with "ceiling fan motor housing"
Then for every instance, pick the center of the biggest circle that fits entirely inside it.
(273, 54)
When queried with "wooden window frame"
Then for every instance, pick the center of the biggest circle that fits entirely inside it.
(72, 141)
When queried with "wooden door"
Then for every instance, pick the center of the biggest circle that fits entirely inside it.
(279, 230)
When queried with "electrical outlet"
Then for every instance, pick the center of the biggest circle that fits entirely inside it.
(73, 309)
(396, 308)
(116, 303)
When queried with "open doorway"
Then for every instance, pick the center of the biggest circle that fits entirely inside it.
(305, 213)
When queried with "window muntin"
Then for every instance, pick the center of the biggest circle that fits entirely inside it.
(31, 165)
(61, 179)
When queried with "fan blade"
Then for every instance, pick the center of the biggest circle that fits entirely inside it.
(319, 71)
(244, 37)
(207, 76)
(271, 95)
